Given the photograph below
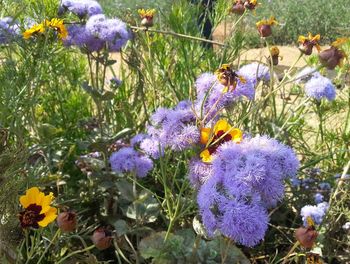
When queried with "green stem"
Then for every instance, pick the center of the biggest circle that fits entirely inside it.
(75, 252)
(47, 248)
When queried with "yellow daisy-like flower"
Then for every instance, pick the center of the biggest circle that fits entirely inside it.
(37, 210)
(58, 25)
(34, 30)
(228, 77)
(270, 22)
(147, 13)
(339, 42)
(221, 133)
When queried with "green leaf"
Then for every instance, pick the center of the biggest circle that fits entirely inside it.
(126, 190)
(121, 227)
(146, 208)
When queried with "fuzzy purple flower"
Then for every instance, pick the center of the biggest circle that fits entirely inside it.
(9, 29)
(199, 172)
(204, 82)
(306, 74)
(115, 82)
(185, 138)
(137, 139)
(233, 209)
(318, 198)
(129, 160)
(152, 147)
(320, 87)
(316, 213)
(255, 72)
(81, 8)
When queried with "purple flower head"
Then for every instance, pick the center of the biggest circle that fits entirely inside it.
(199, 172)
(233, 209)
(325, 186)
(152, 147)
(255, 72)
(320, 87)
(129, 160)
(318, 198)
(115, 82)
(137, 139)
(81, 8)
(112, 31)
(185, 138)
(204, 82)
(315, 212)
(78, 36)
(9, 29)
(306, 74)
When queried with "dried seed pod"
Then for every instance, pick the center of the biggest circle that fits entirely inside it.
(67, 221)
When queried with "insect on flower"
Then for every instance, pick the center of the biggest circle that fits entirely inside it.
(264, 27)
(37, 210)
(307, 43)
(147, 17)
(222, 132)
(228, 77)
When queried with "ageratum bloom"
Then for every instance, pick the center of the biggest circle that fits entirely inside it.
(98, 33)
(259, 163)
(199, 172)
(81, 8)
(255, 72)
(320, 87)
(232, 209)
(37, 210)
(222, 132)
(8, 30)
(306, 74)
(127, 159)
(316, 213)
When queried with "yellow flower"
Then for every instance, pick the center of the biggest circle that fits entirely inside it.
(307, 43)
(228, 77)
(339, 42)
(221, 133)
(36, 29)
(270, 22)
(146, 13)
(37, 210)
(57, 24)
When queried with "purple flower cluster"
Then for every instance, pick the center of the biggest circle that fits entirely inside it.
(320, 87)
(306, 74)
(255, 72)
(211, 95)
(173, 128)
(243, 180)
(9, 29)
(98, 33)
(81, 8)
(127, 159)
(316, 212)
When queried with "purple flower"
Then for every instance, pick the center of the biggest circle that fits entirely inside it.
(318, 198)
(306, 74)
(199, 172)
(129, 160)
(185, 138)
(255, 72)
(81, 8)
(325, 186)
(315, 212)
(204, 82)
(320, 87)
(9, 29)
(137, 139)
(233, 209)
(115, 82)
(152, 147)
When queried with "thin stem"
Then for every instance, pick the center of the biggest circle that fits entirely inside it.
(285, 259)
(76, 252)
(47, 248)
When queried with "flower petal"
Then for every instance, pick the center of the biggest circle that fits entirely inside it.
(236, 135)
(205, 134)
(221, 125)
(50, 216)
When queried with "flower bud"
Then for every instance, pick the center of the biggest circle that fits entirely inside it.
(250, 4)
(147, 22)
(306, 236)
(331, 57)
(101, 238)
(238, 8)
(265, 30)
(67, 221)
